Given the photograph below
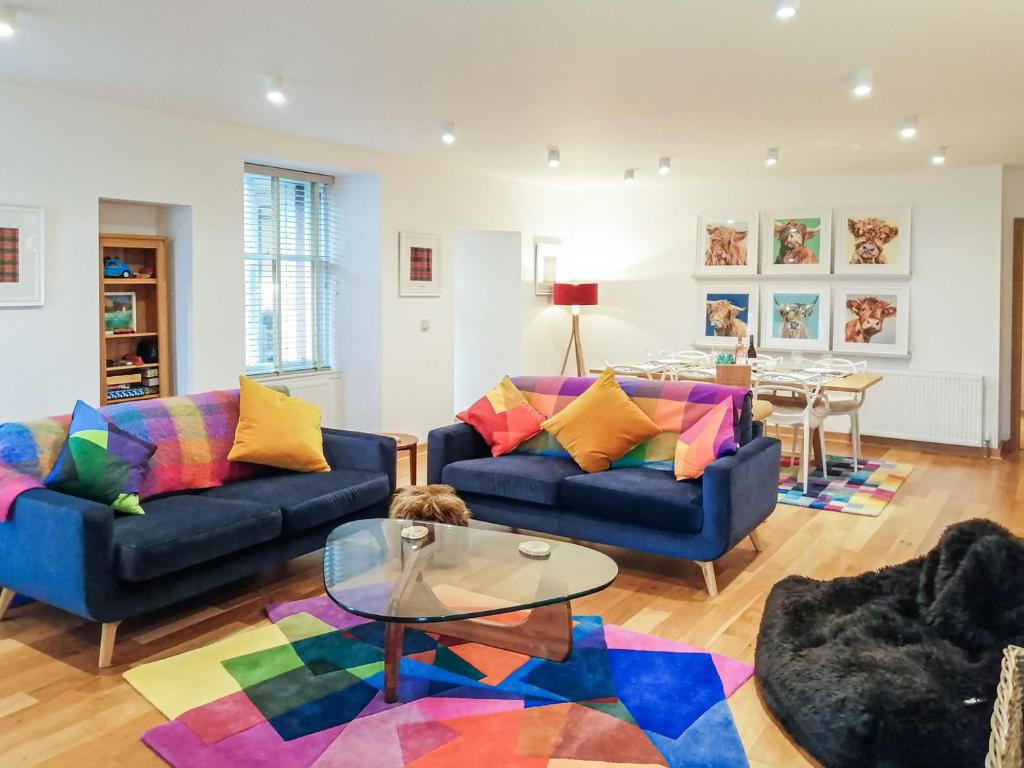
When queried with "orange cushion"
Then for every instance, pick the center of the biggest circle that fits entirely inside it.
(277, 430)
(503, 418)
(601, 425)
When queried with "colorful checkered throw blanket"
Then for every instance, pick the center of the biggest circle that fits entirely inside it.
(192, 435)
(675, 406)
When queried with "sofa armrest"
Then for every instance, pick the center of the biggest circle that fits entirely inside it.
(344, 449)
(740, 492)
(59, 549)
(456, 442)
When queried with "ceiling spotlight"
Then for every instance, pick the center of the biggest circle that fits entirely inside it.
(554, 157)
(6, 21)
(275, 90)
(786, 9)
(448, 132)
(939, 156)
(908, 127)
(664, 165)
(861, 83)
(630, 176)
(771, 157)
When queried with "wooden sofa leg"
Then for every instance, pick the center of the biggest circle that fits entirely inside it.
(6, 596)
(708, 569)
(755, 539)
(107, 635)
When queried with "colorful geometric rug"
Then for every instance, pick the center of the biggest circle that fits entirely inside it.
(864, 492)
(306, 691)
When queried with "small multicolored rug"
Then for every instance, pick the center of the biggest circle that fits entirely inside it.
(306, 691)
(865, 491)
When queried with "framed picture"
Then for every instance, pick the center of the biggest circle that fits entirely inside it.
(796, 316)
(872, 240)
(797, 242)
(119, 312)
(21, 256)
(726, 244)
(419, 264)
(546, 252)
(871, 319)
(725, 313)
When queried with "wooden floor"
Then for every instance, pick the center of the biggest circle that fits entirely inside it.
(55, 710)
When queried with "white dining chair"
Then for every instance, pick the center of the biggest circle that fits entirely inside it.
(806, 412)
(690, 357)
(644, 370)
(847, 405)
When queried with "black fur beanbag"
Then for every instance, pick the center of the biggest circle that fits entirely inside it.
(897, 667)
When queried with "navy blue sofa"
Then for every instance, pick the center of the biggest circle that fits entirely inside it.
(634, 507)
(77, 555)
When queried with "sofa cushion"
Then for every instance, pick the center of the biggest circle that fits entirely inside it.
(650, 497)
(308, 500)
(515, 476)
(183, 530)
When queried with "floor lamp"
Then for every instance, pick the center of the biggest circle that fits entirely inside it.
(575, 295)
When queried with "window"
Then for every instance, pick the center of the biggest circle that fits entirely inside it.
(289, 280)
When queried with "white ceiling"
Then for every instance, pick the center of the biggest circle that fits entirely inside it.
(614, 83)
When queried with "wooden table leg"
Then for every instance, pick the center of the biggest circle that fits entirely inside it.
(394, 635)
(412, 464)
(819, 460)
(546, 633)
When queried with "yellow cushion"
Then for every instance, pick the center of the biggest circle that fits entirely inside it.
(277, 430)
(762, 409)
(601, 425)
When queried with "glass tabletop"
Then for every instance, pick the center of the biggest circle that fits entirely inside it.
(453, 573)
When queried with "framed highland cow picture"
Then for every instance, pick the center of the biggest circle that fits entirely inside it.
(725, 313)
(726, 244)
(871, 319)
(797, 242)
(796, 316)
(872, 240)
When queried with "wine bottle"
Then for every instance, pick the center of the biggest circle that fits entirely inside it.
(740, 351)
(751, 352)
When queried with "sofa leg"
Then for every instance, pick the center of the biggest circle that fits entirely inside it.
(755, 539)
(6, 596)
(708, 569)
(107, 635)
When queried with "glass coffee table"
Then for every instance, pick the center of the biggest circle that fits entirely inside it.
(469, 583)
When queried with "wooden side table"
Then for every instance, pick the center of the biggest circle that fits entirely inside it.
(408, 443)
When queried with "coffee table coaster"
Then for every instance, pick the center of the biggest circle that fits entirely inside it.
(537, 549)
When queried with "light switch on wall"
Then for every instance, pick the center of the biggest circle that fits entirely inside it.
(424, 324)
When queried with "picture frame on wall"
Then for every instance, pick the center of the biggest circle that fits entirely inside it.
(726, 243)
(546, 253)
(419, 264)
(726, 312)
(872, 240)
(21, 256)
(797, 242)
(796, 316)
(871, 319)
(119, 314)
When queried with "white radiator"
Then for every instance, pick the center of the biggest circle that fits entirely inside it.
(323, 390)
(928, 406)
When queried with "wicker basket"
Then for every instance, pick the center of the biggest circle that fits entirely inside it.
(1004, 746)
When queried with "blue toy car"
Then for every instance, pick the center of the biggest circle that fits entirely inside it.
(113, 267)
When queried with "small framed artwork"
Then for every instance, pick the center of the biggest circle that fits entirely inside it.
(873, 240)
(797, 243)
(119, 313)
(546, 252)
(725, 313)
(726, 244)
(796, 316)
(21, 256)
(871, 319)
(419, 264)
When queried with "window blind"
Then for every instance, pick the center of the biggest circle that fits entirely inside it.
(289, 273)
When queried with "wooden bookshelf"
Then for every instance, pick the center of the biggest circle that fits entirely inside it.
(145, 255)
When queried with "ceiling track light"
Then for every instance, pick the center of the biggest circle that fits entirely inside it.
(939, 156)
(275, 90)
(664, 165)
(629, 177)
(448, 132)
(554, 157)
(771, 157)
(908, 127)
(6, 20)
(862, 83)
(786, 9)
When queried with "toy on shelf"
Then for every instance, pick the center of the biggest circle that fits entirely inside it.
(114, 267)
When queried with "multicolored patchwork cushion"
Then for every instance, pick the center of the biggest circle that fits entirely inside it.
(503, 418)
(710, 438)
(101, 461)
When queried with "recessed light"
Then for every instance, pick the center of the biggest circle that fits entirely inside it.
(275, 90)
(664, 165)
(908, 127)
(786, 9)
(629, 177)
(448, 132)
(939, 156)
(554, 157)
(861, 83)
(771, 157)
(6, 21)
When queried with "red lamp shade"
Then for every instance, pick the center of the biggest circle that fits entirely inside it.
(579, 294)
